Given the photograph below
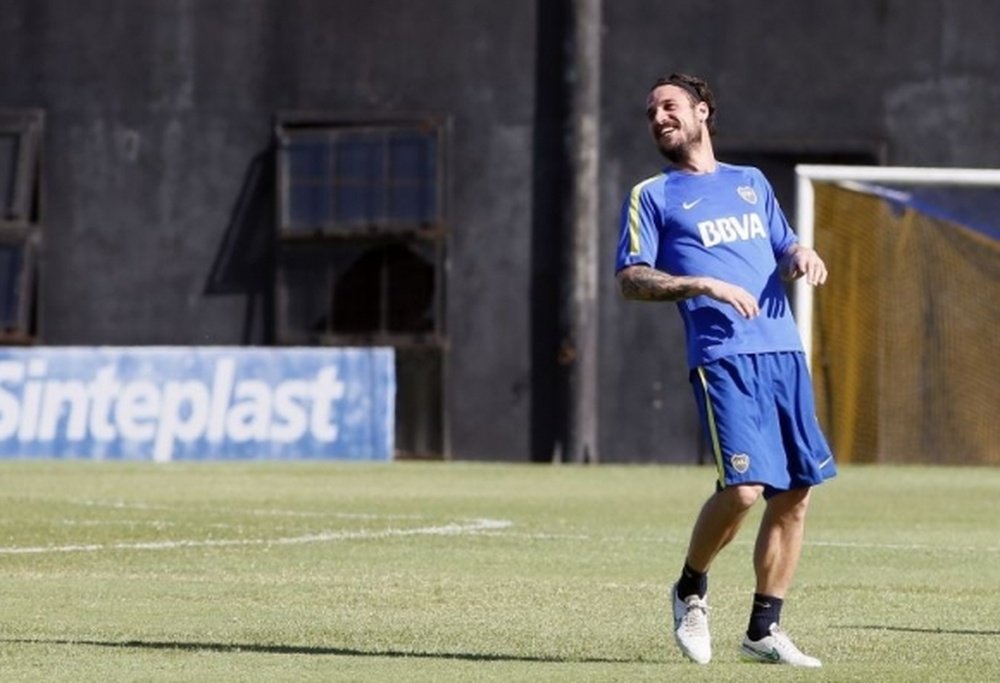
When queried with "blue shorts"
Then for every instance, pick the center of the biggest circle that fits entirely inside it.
(760, 419)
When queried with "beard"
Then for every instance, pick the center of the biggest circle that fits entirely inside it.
(680, 151)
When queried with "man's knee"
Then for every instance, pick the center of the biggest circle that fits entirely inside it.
(790, 504)
(741, 498)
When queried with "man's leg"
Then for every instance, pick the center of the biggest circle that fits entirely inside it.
(720, 518)
(779, 541)
(775, 558)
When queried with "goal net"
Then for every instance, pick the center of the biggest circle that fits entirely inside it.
(904, 338)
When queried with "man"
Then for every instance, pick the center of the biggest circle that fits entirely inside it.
(711, 237)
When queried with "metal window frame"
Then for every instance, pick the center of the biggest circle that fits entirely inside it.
(26, 126)
(289, 125)
(21, 217)
(434, 235)
(422, 359)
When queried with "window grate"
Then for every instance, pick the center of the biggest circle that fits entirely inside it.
(358, 180)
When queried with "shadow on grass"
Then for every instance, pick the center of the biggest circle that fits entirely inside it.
(913, 629)
(307, 650)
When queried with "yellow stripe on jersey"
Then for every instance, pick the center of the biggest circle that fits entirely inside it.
(633, 214)
(712, 429)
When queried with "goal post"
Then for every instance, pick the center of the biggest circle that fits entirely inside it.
(807, 174)
(901, 346)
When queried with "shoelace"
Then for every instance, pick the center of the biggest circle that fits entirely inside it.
(692, 620)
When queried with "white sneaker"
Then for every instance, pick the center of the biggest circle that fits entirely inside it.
(776, 648)
(691, 627)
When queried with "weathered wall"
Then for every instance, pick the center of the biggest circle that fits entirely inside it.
(157, 109)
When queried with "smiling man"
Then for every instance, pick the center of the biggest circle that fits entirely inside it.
(711, 237)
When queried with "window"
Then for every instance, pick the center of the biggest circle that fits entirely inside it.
(361, 231)
(20, 221)
(361, 247)
(373, 291)
(359, 178)
(13, 268)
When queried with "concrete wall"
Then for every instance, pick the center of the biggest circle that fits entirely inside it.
(157, 110)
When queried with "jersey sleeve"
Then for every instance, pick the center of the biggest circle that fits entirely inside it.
(781, 234)
(638, 239)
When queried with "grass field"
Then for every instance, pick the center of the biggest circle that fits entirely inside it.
(463, 572)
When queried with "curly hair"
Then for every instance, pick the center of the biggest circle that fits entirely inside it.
(696, 88)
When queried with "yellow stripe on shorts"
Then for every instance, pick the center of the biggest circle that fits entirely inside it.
(712, 430)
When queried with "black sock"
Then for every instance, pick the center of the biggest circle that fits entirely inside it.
(692, 583)
(766, 610)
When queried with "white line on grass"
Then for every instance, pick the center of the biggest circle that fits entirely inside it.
(155, 523)
(904, 546)
(541, 536)
(122, 505)
(472, 526)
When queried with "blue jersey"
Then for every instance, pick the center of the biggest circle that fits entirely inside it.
(727, 225)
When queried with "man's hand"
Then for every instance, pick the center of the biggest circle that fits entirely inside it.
(800, 261)
(743, 301)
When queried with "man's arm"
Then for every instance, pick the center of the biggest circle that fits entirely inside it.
(799, 261)
(643, 283)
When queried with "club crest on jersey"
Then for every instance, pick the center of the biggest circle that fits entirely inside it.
(747, 193)
(740, 462)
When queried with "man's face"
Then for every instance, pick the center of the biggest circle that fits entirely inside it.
(674, 121)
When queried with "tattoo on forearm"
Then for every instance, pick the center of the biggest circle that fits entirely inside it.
(647, 284)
